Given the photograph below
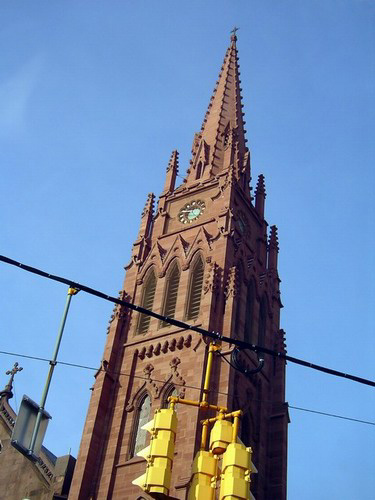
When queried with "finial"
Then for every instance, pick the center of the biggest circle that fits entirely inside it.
(234, 36)
(8, 388)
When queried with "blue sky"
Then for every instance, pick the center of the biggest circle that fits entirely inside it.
(95, 95)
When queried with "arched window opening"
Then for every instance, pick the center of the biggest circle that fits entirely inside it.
(262, 322)
(199, 170)
(172, 391)
(195, 289)
(147, 302)
(171, 293)
(249, 318)
(142, 416)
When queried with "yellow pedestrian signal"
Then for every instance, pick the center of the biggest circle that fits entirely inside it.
(236, 469)
(156, 481)
(204, 470)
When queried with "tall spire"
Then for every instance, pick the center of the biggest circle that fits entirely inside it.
(223, 124)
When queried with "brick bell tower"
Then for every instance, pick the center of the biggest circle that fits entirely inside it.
(203, 256)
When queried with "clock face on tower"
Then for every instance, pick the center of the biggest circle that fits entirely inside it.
(191, 211)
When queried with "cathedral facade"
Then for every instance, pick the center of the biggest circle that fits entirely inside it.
(204, 255)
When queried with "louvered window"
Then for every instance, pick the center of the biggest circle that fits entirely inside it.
(147, 302)
(171, 293)
(196, 283)
(142, 416)
(248, 337)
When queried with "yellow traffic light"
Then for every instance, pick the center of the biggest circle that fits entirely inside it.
(159, 454)
(221, 436)
(236, 470)
(204, 470)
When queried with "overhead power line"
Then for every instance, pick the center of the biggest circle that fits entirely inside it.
(213, 335)
(331, 415)
(140, 377)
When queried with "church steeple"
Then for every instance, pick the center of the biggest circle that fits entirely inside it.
(201, 257)
(221, 141)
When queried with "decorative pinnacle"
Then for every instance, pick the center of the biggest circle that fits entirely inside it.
(149, 206)
(261, 187)
(173, 162)
(273, 241)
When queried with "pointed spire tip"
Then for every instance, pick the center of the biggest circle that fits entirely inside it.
(233, 37)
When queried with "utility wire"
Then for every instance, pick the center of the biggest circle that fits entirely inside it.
(96, 369)
(213, 335)
(92, 368)
(331, 415)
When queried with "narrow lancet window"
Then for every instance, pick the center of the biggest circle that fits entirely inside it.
(248, 333)
(199, 170)
(237, 318)
(195, 289)
(171, 293)
(147, 302)
(262, 322)
(142, 416)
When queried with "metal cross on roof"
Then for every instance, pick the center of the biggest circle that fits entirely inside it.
(12, 372)
(234, 30)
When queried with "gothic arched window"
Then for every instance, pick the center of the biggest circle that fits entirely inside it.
(171, 292)
(142, 416)
(262, 321)
(172, 391)
(195, 289)
(249, 318)
(147, 301)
